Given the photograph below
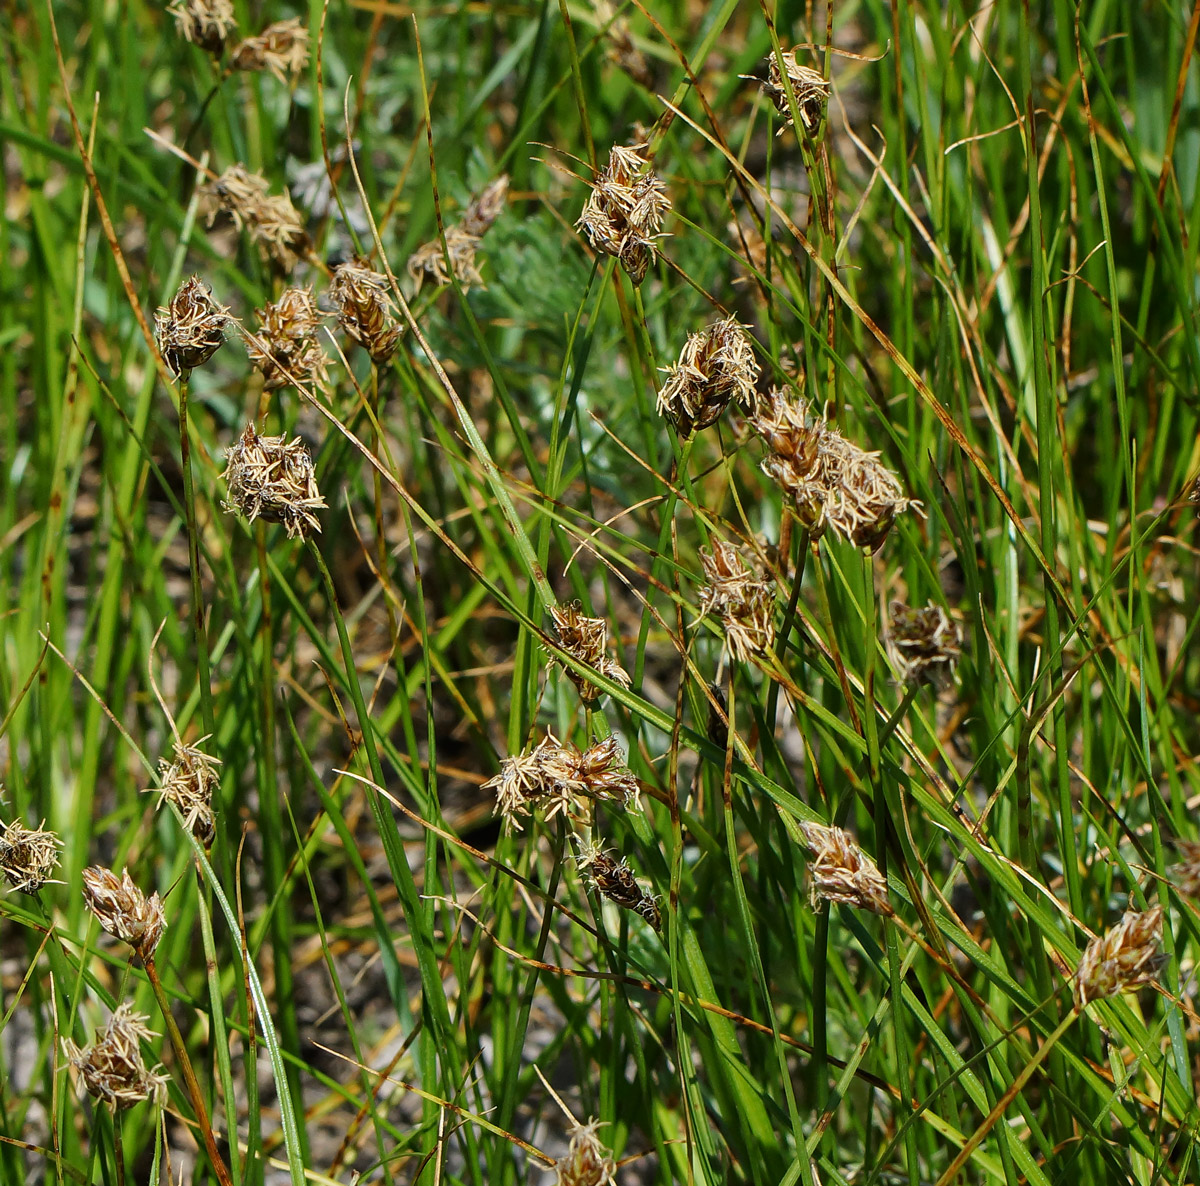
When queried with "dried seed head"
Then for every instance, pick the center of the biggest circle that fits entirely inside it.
(364, 308)
(615, 881)
(123, 910)
(191, 329)
(586, 1162)
(281, 48)
(842, 872)
(624, 213)
(716, 366)
(810, 87)
(188, 780)
(621, 48)
(586, 640)
(831, 482)
(429, 260)
(206, 23)
(273, 477)
(271, 221)
(1121, 958)
(924, 645)
(287, 342)
(743, 599)
(112, 1069)
(485, 207)
(1187, 871)
(28, 855)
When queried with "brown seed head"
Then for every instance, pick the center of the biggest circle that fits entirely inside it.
(831, 482)
(715, 367)
(273, 477)
(842, 872)
(924, 645)
(206, 23)
(615, 881)
(28, 856)
(624, 213)
(810, 87)
(287, 342)
(485, 207)
(739, 594)
(586, 1162)
(271, 221)
(112, 1069)
(281, 48)
(188, 780)
(123, 910)
(429, 260)
(586, 639)
(621, 48)
(364, 308)
(1187, 871)
(1121, 958)
(191, 329)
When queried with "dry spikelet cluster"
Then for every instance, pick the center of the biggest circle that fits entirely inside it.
(621, 48)
(586, 1162)
(842, 872)
(273, 478)
(188, 780)
(715, 367)
(624, 213)
(832, 482)
(123, 910)
(745, 602)
(1121, 958)
(112, 1069)
(560, 779)
(586, 640)
(281, 48)
(615, 881)
(206, 23)
(810, 87)
(191, 329)
(271, 221)
(28, 856)
(1187, 871)
(924, 645)
(363, 305)
(286, 348)
(462, 241)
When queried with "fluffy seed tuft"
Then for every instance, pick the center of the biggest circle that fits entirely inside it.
(715, 367)
(364, 309)
(28, 856)
(738, 593)
(191, 329)
(586, 639)
(281, 48)
(123, 910)
(924, 645)
(112, 1069)
(842, 872)
(1121, 958)
(273, 477)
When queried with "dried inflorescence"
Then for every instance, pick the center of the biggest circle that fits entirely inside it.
(1187, 871)
(924, 645)
(281, 48)
(621, 48)
(842, 872)
(624, 213)
(739, 594)
(188, 779)
(810, 87)
(560, 779)
(191, 329)
(271, 221)
(485, 207)
(273, 477)
(286, 348)
(715, 367)
(123, 910)
(28, 856)
(586, 1162)
(586, 639)
(831, 482)
(615, 881)
(112, 1069)
(462, 241)
(363, 304)
(1121, 958)
(206, 23)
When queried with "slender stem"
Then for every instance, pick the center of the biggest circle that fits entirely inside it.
(118, 1151)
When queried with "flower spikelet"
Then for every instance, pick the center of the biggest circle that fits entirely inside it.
(842, 872)
(485, 207)
(1187, 871)
(715, 367)
(586, 640)
(744, 601)
(586, 1162)
(621, 47)
(271, 221)
(924, 645)
(287, 342)
(123, 910)
(191, 329)
(615, 881)
(364, 308)
(831, 482)
(1121, 958)
(273, 477)
(206, 23)
(28, 856)
(188, 780)
(112, 1069)
(281, 48)
(810, 87)
(624, 213)
(429, 260)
